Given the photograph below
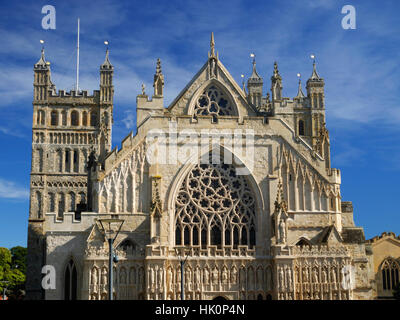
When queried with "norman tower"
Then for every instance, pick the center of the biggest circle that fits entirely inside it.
(66, 128)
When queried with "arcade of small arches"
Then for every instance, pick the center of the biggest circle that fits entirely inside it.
(62, 160)
(57, 202)
(67, 117)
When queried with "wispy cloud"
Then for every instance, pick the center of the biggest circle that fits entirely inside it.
(10, 190)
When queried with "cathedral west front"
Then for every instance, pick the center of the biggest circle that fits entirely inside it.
(234, 179)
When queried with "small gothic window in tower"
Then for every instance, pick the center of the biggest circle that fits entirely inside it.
(213, 102)
(54, 118)
(301, 128)
(61, 206)
(74, 118)
(51, 202)
(84, 118)
(93, 118)
(64, 118)
(72, 201)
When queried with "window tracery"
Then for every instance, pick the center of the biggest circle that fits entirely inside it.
(390, 274)
(214, 102)
(214, 206)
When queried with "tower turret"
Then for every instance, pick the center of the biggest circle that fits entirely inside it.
(315, 95)
(254, 86)
(106, 81)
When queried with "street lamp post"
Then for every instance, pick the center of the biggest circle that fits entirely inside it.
(182, 262)
(5, 289)
(111, 235)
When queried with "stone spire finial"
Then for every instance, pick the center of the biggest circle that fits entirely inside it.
(314, 75)
(276, 71)
(212, 46)
(300, 93)
(42, 60)
(158, 82)
(106, 64)
(143, 88)
(158, 68)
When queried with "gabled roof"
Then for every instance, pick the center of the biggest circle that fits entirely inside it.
(238, 90)
(330, 235)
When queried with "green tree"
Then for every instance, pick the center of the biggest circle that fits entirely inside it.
(12, 271)
(18, 260)
(5, 267)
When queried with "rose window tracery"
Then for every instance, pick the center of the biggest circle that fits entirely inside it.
(214, 206)
(213, 102)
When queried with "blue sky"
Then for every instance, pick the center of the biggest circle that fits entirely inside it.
(360, 68)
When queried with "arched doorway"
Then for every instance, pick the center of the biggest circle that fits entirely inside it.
(220, 298)
(70, 281)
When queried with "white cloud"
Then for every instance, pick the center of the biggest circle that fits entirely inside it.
(10, 190)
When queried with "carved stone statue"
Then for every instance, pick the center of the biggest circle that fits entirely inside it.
(281, 279)
(233, 275)
(282, 231)
(104, 278)
(324, 276)
(333, 275)
(94, 276)
(122, 276)
(206, 276)
(152, 277)
(160, 277)
(315, 275)
(305, 274)
(132, 276)
(224, 276)
(289, 278)
(197, 276)
(215, 275)
(170, 279)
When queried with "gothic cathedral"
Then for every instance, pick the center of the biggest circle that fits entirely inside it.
(236, 181)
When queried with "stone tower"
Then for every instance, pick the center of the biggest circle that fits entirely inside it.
(66, 128)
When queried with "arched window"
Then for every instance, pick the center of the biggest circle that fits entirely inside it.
(390, 274)
(84, 118)
(51, 203)
(76, 160)
(39, 204)
(74, 118)
(72, 202)
(61, 206)
(214, 202)
(70, 281)
(54, 118)
(301, 128)
(93, 118)
(41, 115)
(67, 161)
(64, 118)
(214, 102)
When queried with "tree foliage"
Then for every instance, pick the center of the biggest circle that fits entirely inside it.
(12, 271)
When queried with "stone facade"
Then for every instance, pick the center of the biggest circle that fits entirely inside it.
(280, 231)
(386, 264)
